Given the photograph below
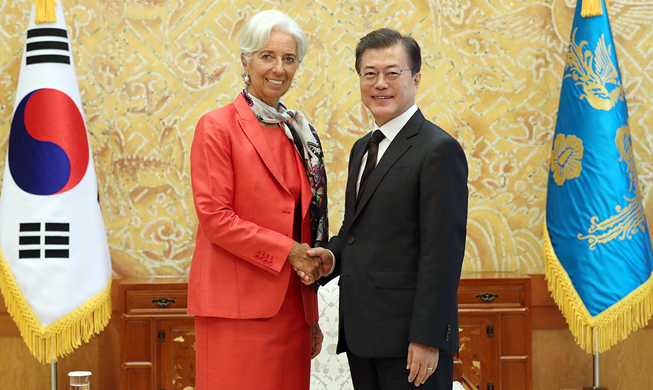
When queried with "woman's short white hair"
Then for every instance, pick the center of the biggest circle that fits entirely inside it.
(256, 33)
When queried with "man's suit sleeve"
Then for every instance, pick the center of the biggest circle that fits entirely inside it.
(334, 245)
(443, 223)
(212, 176)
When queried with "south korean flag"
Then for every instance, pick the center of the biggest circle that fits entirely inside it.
(55, 268)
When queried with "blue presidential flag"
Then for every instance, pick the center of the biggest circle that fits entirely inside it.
(597, 249)
(55, 269)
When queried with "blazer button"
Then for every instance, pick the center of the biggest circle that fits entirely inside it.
(351, 240)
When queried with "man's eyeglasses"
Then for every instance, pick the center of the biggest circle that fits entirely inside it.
(370, 76)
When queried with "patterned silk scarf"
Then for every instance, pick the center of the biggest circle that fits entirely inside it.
(313, 158)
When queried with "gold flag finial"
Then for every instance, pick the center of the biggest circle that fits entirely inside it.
(45, 11)
(592, 8)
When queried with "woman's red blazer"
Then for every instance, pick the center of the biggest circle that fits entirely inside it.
(246, 217)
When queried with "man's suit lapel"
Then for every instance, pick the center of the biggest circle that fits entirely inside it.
(252, 129)
(350, 191)
(397, 148)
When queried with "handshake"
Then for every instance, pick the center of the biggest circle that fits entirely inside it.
(309, 263)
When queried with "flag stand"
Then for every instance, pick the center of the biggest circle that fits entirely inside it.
(596, 365)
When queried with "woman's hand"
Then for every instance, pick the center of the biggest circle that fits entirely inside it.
(326, 260)
(318, 337)
(309, 268)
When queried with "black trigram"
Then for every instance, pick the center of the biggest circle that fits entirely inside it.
(44, 45)
(33, 243)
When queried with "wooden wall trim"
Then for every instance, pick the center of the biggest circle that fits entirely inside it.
(546, 314)
(8, 327)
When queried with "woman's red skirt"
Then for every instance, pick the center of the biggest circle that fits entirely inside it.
(256, 354)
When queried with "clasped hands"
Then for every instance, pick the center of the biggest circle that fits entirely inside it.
(309, 268)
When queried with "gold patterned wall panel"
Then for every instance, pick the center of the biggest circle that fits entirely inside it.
(492, 69)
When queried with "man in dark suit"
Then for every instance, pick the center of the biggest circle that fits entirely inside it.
(399, 252)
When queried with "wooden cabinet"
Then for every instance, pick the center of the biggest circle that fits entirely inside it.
(495, 331)
(158, 337)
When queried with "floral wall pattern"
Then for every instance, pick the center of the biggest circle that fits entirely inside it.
(148, 69)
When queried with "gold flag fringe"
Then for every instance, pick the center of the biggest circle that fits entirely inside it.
(612, 325)
(45, 12)
(62, 337)
(592, 8)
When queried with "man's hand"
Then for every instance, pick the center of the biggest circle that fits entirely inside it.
(318, 337)
(326, 259)
(309, 269)
(422, 362)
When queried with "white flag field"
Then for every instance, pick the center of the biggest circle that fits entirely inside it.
(55, 268)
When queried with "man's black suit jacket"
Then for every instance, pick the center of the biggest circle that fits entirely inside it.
(399, 253)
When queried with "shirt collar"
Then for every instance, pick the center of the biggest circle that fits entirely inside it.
(394, 126)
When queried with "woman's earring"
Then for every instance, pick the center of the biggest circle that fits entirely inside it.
(293, 85)
(246, 78)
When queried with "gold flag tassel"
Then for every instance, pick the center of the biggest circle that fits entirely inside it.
(45, 11)
(613, 325)
(62, 337)
(592, 8)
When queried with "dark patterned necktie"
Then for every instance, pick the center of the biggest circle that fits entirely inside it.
(370, 164)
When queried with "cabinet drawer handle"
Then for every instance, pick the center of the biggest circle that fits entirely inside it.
(163, 302)
(487, 297)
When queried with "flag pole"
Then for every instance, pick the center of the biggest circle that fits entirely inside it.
(53, 369)
(54, 375)
(596, 358)
(596, 385)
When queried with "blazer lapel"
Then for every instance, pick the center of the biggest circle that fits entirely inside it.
(306, 190)
(252, 129)
(399, 145)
